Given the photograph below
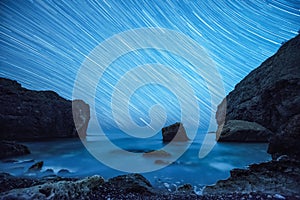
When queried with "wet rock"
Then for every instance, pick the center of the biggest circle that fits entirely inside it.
(34, 115)
(57, 190)
(48, 172)
(274, 177)
(269, 96)
(186, 188)
(278, 196)
(36, 167)
(239, 130)
(175, 132)
(157, 153)
(135, 183)
(9, 182)
(63, 172)
(11, 149)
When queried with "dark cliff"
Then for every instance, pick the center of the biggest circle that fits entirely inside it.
(265, 106)
(31, 115)
(269, 96)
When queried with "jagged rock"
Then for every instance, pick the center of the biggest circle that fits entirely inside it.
(174, 132)
(157, 153)
(31, 115)
(186, 188)
(10, 149)
(36, 167)
(57, 190)
(269, 95)
(135, 183)
(272, 177)
(239, 130)
(9, 182)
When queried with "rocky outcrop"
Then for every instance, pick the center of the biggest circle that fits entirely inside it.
(94, 187)
(36, 167)
(9, 182)
(269, 95)
(31, 115)
(135, 183)
(274, 177)
(57, 190)
(239, 130)
(131, 186)
(287, 141)
(174, 132)
(11, 149)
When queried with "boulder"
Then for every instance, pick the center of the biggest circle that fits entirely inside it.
(34, 115)
(175, 132)
(273, 177)
(239, 130)
(186, 188)
(11, 149)
(36, 167)
(131, 183)
(269, 96)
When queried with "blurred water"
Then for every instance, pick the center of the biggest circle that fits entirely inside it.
(70, 154)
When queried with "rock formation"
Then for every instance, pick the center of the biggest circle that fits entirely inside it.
(239, 130)
(56, 190)
(274, 177)
(32, 115)
(174, 132)
(10, 149)
(269, 96)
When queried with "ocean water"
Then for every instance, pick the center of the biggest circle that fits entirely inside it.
(72, 155)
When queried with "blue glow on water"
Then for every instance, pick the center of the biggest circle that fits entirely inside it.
(70, 154)
(43, 44)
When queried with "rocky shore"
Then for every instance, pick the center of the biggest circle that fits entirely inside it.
(131, 186)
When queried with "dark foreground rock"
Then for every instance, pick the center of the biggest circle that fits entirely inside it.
(274, 177)
(175, 132)
(287, 141)
(31, 115)
(131, 186)
(239, 130)
(269, 95)
(11, 149)
(64, 189)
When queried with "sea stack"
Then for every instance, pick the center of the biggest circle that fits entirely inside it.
(174, 132)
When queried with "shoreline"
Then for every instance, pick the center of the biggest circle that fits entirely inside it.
(159, 193)
(130, 186)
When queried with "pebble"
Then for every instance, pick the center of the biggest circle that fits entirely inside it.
(166, 185)
(278, 196)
